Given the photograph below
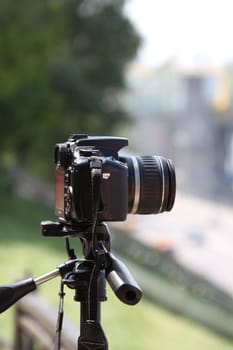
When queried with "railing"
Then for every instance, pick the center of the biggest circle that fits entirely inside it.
(36, 326)
(5, 345)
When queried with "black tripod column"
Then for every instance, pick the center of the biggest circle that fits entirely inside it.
(90, 291)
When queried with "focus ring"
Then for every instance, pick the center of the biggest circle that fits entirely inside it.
(151, 185)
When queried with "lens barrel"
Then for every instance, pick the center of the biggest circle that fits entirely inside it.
(151, 184)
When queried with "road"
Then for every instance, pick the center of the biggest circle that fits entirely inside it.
(199, 232)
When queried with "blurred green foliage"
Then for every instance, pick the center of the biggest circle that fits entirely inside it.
(61, 69)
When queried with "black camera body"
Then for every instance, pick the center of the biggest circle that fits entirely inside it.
(75, 160)
(138, 185)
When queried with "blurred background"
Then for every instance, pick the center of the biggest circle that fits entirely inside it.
(161, 74)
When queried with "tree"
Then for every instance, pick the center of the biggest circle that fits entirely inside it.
(60, 70)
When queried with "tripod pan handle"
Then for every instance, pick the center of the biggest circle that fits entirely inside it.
(122, 282)
(10, 293)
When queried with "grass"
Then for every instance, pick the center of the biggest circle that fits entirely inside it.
(24, 252)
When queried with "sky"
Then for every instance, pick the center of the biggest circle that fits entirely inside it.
(198, 32)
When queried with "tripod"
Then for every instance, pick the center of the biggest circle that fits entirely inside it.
(87, 277)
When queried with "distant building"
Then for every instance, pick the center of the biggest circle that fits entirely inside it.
(187, 116)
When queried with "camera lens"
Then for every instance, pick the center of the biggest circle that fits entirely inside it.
(151, 184)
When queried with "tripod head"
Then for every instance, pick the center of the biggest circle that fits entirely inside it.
(116, 273)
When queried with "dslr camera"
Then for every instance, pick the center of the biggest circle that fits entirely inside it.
(127, 184)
